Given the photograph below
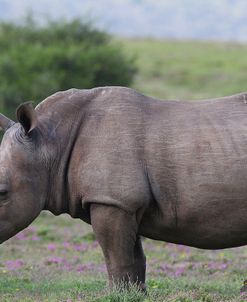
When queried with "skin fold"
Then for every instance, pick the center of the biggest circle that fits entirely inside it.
(130, 166)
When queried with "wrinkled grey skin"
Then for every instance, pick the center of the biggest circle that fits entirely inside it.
(129, 165)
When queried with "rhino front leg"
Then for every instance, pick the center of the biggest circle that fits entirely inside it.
(116, 232)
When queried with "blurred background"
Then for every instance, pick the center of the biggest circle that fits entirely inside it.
(179, 49)
(168, 49)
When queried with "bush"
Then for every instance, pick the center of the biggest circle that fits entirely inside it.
(37, 61)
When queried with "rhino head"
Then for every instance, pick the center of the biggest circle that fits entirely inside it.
(23, 176)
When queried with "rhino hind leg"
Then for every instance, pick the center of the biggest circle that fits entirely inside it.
(116, 232)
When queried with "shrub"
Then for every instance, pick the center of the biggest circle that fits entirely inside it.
(37, 61)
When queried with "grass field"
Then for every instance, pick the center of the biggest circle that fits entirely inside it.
(189, 70)
(58, 259)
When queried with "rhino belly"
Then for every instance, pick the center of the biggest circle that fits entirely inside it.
(202, 204)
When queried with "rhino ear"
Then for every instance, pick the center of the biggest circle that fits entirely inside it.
(5, 122)
(26, 116)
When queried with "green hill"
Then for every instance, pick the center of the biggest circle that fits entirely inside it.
(188, 70)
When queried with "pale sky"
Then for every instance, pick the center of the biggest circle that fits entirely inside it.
(205, 19)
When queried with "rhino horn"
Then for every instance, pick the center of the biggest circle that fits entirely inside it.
(5, 122)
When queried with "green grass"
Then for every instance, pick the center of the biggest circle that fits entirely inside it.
(36, 268)
(188, 70)
(58, 259)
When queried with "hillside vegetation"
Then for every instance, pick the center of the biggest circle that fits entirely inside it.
(188, 70)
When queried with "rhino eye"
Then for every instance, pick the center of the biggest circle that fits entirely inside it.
(3, 193)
